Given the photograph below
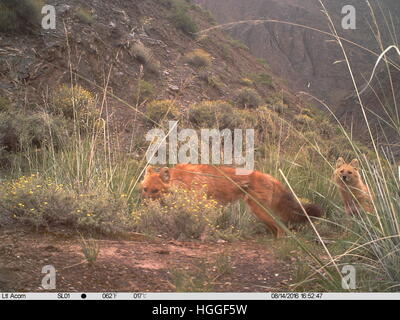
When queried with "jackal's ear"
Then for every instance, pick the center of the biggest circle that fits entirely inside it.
(149, 170)
(339, 162)
(354, 163)
(165, 175)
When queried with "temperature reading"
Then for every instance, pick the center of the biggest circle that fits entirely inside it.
(109, 295)
(139, 295)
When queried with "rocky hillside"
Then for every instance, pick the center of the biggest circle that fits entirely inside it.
(119, 42)
(304, 57)
(140, 51)
(308, 59)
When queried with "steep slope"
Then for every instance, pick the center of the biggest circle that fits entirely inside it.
(313, 62)
(306, 58)
(117, 45)
(103, 51)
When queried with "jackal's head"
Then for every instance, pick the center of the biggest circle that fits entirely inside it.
(347, 173)
(155, 184)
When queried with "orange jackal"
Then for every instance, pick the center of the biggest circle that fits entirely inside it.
(353, 190)
(223, 184)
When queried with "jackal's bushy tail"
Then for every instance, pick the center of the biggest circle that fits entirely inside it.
(293, 211)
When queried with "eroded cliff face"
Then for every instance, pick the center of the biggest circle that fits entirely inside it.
(307, 58)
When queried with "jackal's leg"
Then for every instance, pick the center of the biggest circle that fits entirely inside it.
(266, 218)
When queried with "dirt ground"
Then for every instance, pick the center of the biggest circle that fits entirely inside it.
(137, 265)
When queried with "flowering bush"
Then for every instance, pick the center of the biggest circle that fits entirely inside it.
(182, 214)
(74, 102)
(43, 203)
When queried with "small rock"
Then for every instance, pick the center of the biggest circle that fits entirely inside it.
(162, 251)
(112, 24)
(51, 248)
(62, 8)
(173, 88)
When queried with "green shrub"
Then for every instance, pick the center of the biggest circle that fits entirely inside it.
(8, 19)
(145, 56)
(31, 201)
(238, 44)
(90, 250)
(5, 104)
(141, 52)
(43, 203)
(21, 131)
(215, 82)
(144, 91)
(212, 114)
(280, 107)
(212, 80)
(277, 103)
(209, 16)
(263, 61)
(159, 110)
(21, 15)
(74, 103)
(84, 15)
(246, 82)
(183, 214)
(261, 79)
(220, 114)
(248, 98)
(303, 119)
(183, 21)
(198, 58)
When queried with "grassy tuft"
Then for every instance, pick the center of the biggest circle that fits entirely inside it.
(198, 58)
(248, 98)
(20, 16)
(158, 110)
(84, 15)
(183, 21)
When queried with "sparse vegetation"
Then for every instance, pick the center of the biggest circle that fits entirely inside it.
(196, 280)
(263, 62)
(261, 79)
(65, 164)
(90, 250)
(145, 56)
(182, 19)
(84, 15)
(198, 58)
(158, 110)
(210, 114)
(5, 105)
(74, 102)
(141, 52)
(238, 44)
(42, 203)
(143, 91)
(20, 16)
(248, 98)
(216, 83)
(182, 215)
(22, 130)
(303, 119)
(247, 82)
(203, 276)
